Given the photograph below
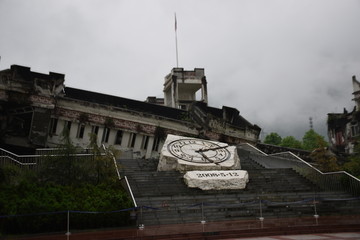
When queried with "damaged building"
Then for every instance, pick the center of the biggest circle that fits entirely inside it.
(35, 108)
(344, 128)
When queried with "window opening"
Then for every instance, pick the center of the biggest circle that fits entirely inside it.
(132, 140)
(105, 136)
(80, 131)
(95, 130)
(155, 146)
(53, 125)
(144, 143)
(118, 137)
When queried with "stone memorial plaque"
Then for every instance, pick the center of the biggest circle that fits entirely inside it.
(217, 180)
(186, 154)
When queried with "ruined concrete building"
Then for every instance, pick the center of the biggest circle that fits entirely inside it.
(35, 108)
(344, 128)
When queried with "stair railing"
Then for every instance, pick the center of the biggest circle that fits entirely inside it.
(123, 180)
(332, 181)
(57, 151)
(7, 157)
(114, 160)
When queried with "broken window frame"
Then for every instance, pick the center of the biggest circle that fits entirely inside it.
(132, 140)
(355, 130)
(67, 124)
(80, 131)
(118, 137)
(156, 144)
(145, 142)
(95, 130)
(105, 135)
(53, 126)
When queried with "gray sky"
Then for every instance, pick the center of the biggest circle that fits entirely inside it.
(278, 62)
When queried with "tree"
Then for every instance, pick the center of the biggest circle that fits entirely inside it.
(353, 166)
(273, 138)
(62, 167)
(291, 142)
(69, 168)
(102, 168)
(313, 140)
(326, 161)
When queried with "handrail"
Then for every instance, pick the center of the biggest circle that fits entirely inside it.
(22, 160)
(127, 185)
(78, 150)
(339, 180)
(11, 153)
(114, 160)
(27, 160)
(130, 191)
(18, 162)
(253, 147)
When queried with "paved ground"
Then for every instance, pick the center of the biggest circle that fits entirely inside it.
(324, 228)
(319, 236)
(323, 236)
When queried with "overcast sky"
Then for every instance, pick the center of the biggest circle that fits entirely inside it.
(278, 62)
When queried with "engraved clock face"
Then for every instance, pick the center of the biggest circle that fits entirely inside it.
(198, 151)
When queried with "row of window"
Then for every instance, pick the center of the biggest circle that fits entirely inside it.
(105, 135)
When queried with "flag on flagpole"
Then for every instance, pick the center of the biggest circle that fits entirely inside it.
(176, 45)
(175, 23)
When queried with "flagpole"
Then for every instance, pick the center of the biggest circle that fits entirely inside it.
(176, 44)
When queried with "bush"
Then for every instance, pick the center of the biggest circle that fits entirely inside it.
(26, 200)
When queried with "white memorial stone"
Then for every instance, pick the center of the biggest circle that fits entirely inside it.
(217, 180)
(187, 154)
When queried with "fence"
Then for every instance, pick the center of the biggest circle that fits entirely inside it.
(71, 220)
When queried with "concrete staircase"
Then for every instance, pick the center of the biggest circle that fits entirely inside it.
(270, 193)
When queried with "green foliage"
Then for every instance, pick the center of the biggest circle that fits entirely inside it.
(313, 140)
(102, 166)
(310, 141)
(291, 142)
(13, 175)
(325, 160)
(31, 198)
(273, 139)
(353, 166)
(68, 169)
(63, 182)
(63, 168)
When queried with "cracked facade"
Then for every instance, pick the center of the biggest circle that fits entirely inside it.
(35, 108)
(344, 128)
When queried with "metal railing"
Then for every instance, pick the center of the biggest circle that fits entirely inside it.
(123, 180)
(7, 157)
(58, 151)
(332, 181)
(114, 160)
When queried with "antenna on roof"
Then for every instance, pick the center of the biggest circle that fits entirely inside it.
(311, 122)
(176, 44)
